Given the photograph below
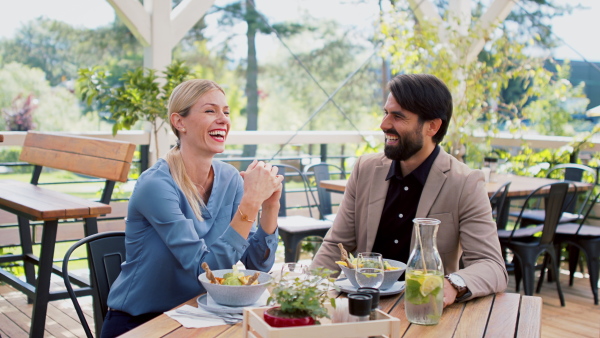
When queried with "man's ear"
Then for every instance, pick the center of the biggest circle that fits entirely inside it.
(432, 127)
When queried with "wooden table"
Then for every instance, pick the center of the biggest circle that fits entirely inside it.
(1, 138)
(498, 315)
(40, 204)
(521, 186)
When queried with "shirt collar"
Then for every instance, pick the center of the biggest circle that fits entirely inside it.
(420, 173)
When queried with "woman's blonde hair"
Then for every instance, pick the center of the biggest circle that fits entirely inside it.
(183, 97)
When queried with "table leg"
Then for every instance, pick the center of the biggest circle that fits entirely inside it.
(26, 248)
(90, 228)
(42, 289)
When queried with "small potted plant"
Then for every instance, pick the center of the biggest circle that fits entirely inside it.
(300, 300)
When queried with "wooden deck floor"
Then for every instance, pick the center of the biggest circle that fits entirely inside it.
(579, 318)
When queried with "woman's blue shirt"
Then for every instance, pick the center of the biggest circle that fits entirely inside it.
(166, 243)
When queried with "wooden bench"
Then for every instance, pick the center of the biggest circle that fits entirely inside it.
(100, 158)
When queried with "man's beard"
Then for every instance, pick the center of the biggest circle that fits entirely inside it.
(407, 146)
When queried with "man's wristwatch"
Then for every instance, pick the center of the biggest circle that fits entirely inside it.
(459, 284)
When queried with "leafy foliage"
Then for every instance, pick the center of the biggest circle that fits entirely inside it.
(303, 296)
(139, 97)
(19, 117)
(477, 86)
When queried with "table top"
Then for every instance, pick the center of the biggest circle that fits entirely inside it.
(497, 315)
(521, 186)
(36, 203)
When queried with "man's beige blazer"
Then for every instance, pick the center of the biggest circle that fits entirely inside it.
(453, 193)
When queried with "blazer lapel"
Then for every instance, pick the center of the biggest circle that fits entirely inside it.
(377, 195)
(433, 185)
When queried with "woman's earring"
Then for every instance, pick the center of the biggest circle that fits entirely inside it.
(183, 129)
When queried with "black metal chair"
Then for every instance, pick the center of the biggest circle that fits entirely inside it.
(500, 206)
(526, 248)
(573, 210)
(106, 252)
(320, 172)
(293, 229)
(583, 238)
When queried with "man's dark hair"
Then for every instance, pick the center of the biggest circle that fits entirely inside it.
(424, 95)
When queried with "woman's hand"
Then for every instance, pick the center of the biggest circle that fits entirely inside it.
(261, 183)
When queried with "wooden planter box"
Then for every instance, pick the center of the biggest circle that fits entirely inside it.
(255, 327)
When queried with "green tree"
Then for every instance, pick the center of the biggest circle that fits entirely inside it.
(139, 98)
(55, 105)
(245, 11)
(332, 57)
(476, 86)
(60, 50)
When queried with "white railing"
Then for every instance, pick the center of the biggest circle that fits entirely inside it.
(14, 138)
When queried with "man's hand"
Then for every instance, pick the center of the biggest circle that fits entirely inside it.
(449, 293)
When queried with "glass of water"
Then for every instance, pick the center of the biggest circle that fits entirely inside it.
(291, 271)
(369, 269)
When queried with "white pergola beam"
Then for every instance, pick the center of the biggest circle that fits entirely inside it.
(460, 15)
(135, 17)
(425, 10)
(185, 16)
(495, 14)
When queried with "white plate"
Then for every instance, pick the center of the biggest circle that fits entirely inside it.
(347, 287)
(208, 304)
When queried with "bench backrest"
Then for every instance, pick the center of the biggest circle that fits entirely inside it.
(108, 159)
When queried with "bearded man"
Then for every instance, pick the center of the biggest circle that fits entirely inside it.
(416, 178)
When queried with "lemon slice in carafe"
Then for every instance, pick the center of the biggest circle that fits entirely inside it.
(430, 283)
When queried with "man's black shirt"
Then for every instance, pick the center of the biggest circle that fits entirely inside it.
(396, 224)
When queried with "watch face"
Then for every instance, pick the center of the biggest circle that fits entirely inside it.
(457, 280)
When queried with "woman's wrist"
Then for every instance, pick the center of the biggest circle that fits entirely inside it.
(248, 209)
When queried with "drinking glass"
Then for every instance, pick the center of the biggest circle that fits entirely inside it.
(369, 269)
(291, 271)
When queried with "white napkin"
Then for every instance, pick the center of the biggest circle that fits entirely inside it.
(190, 321)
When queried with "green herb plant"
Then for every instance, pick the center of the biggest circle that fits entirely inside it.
(303, 296)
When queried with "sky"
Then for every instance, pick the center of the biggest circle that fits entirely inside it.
(575, 29)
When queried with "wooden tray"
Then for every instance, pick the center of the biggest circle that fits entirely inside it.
(256, 327)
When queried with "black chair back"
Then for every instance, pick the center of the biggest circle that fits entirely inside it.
(290, 171)
(553, 206)
(575, 173)
(321, 172)
(499, 205)
(590, 206)
(106, 252)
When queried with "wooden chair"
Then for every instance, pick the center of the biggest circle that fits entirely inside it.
(105, 159)
(106, 252)
(293, 229)
(527, 248)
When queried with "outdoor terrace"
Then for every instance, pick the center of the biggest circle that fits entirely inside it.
(578, 318)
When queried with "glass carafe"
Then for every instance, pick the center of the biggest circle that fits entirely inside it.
(424, 299)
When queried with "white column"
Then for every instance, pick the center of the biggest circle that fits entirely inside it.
(159, 29)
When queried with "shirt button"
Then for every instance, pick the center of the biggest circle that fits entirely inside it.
(400, 215)
(269, 241)
(395, 241)
(405, 188)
